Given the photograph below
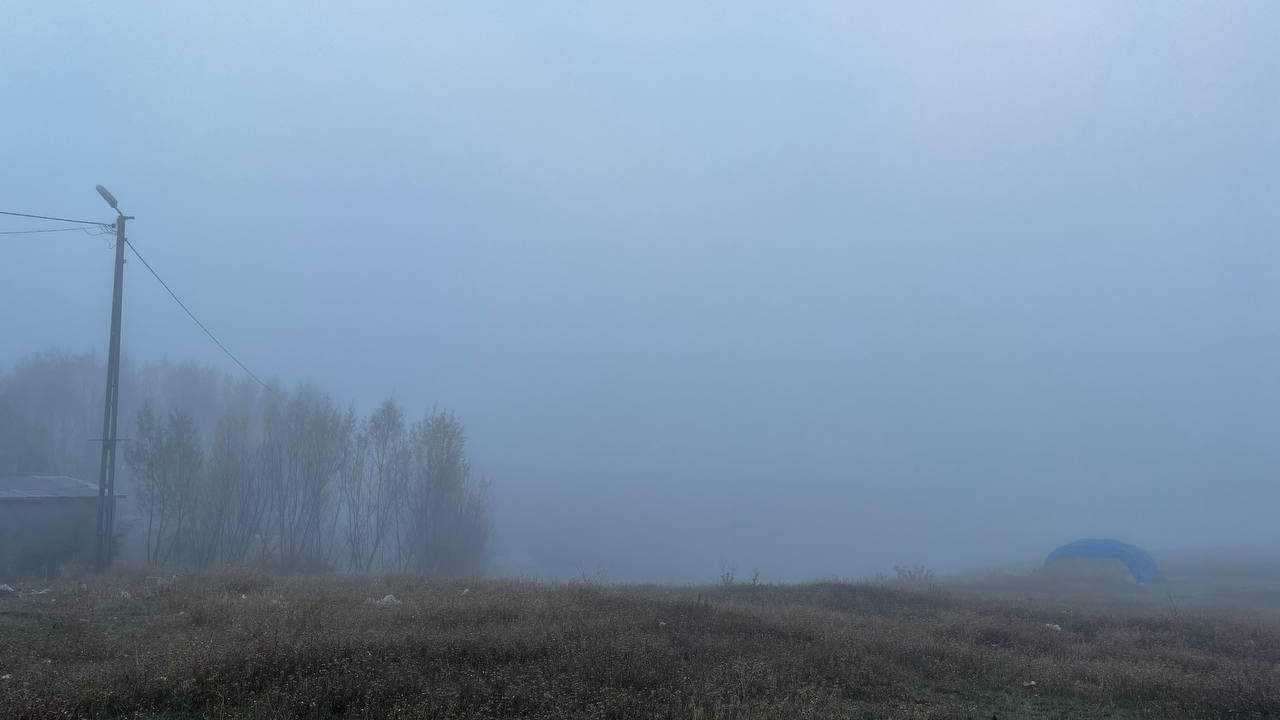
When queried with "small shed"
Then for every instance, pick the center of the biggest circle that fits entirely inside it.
(46, 521)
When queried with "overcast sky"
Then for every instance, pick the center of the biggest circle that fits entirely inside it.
(809, 287)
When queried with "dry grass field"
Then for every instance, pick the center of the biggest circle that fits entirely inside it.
(246, 645)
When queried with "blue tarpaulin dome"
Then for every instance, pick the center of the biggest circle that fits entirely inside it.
(1141, 565)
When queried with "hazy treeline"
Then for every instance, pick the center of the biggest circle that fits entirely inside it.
(46, 420)
(225, 472)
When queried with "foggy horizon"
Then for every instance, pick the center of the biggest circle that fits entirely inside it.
(811, 290)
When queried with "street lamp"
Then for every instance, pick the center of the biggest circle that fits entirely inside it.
(106, 195)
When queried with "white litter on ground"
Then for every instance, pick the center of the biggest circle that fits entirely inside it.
(388, 601)
(1053, 626)
(126, 595)
(7, 590)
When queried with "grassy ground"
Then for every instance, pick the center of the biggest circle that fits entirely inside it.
(1219, 583)
(238, 645)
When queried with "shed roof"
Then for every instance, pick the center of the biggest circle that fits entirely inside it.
(30, 487)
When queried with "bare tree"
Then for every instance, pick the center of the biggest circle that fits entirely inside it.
(184, 464)
(374, 485)
(143, 456)
(446, 520)
(231, 508)
(167, 462)
(306, 442)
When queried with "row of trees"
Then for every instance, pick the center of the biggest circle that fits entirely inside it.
(222, 472)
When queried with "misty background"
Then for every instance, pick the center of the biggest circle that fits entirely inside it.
(810, 288)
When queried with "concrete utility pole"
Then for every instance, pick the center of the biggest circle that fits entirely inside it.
(111, 402)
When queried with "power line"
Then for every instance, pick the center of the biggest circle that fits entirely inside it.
(172, 294)
(50, 230)
(56, 219)
(195, 319)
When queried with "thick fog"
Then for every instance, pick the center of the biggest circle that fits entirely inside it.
(811, 289)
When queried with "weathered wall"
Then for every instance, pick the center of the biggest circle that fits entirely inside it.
(39, 536)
